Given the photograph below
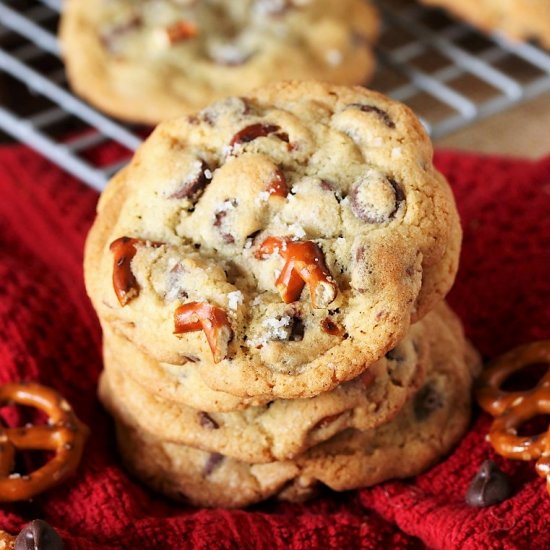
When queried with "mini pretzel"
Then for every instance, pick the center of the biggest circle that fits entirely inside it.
(213, 320)
(512, 409)
(64, 434)
(304, 265)
(124, 282)
(494, 400)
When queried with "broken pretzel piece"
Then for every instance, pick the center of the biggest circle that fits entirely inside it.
(304, 265)
(124, 282)
(195, 316)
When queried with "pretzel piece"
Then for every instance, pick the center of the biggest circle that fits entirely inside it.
(64, 434)
(124, 281)
(490, 396)
(304, 265)
(212, 320)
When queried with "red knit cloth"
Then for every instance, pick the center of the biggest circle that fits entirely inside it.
(49, 333)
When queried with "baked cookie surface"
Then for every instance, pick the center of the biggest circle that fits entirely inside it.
(518, 19)
(426, 428)
(279, 430)
(149, 60)
(304, 226)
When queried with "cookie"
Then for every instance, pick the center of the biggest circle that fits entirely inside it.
(150, 60)
(518, 19)
(282, 243)
(427, 427)
(262, 434)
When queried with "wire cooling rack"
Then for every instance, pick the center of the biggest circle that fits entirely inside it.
(447, 72)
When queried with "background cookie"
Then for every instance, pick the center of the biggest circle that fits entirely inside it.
(281, 429)
(343, 171)
(427, 427)
(519, 19)
(147, 61)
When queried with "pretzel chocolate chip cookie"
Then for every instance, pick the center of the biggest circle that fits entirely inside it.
(282, 242)
(149, 60)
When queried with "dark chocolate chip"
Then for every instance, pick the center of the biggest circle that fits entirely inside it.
(206, 421)
(330, 327)
(489, 486)
(193, 187)
(376, 198)
(383, 115)
(297, 330)
(426, 401)
(38, 535)
(250, 133)
(213, 462)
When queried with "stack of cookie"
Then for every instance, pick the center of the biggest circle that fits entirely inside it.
(270, 274)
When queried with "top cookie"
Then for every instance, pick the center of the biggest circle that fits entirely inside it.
(149, 60)
(282, 243)
(519, 19)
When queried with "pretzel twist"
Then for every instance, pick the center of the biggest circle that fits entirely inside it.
(304, 265)
(511, 409)
(64, 434)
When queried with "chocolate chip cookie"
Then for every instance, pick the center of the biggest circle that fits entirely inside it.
(427, 427)
(149, 60)
(280, 243)
(518, 19)
(262, 434)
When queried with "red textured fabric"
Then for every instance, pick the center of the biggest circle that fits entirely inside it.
(49, 333)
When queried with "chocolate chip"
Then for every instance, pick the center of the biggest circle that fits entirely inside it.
(394, 355)
(383, 115)
(426, 401)
(376, 198)
(38, 535)
(297, 330)
(330, 327)
(489, 486)
(250, 133)
(213, 462)
(206, 421)
(193, 187)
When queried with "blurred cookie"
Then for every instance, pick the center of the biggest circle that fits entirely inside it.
(518, 19)
(149, 60)
(282, 243)
(281, 429)
(427, 427)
